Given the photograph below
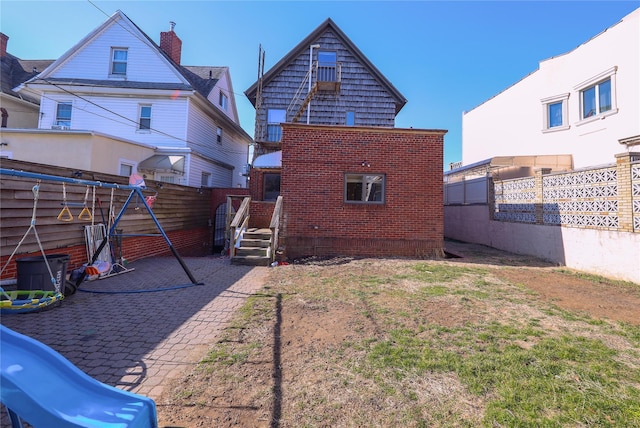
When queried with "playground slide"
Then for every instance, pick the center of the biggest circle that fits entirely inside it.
(47, 390)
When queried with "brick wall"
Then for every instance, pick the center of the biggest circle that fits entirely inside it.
(316, 220)
(188, 243)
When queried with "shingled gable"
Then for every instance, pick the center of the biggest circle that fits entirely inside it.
(303, 46)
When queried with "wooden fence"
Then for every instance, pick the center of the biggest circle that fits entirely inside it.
(183, 212)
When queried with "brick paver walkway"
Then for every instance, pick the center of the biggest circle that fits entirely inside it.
(138, 340)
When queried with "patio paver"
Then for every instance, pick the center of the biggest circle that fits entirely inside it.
(138, 340)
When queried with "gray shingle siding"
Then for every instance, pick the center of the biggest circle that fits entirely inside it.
(363, 90)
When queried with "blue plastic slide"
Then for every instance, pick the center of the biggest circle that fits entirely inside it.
(46, 390)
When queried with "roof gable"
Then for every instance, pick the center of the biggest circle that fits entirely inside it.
(90, 58)
(328, 26)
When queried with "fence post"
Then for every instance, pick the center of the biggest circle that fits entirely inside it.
(491, 196)
(539, 194)
(625, 193)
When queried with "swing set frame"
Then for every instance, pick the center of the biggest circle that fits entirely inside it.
(134, 191)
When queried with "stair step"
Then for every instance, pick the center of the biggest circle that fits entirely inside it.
(255, 243)
(251, 261)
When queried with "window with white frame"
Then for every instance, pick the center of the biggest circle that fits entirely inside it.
(274, 118)
(555, 113)
(219, 135)
(598, 95)
(126, 169)
(205, 179)
(364, 188)
(223, 101)
(63, 114)
(119, 61)
(144, 122)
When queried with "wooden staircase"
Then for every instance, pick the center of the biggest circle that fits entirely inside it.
(253, 248)
(250, 245)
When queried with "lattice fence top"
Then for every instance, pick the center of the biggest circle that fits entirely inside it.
(586, 198)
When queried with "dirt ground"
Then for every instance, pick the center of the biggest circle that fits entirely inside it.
(598, 297)
(306, 328)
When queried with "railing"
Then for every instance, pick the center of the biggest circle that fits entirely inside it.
(274, 226)
(239, 225)
(328, 77)
(296, 101)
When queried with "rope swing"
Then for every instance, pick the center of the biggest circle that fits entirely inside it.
(28, 300)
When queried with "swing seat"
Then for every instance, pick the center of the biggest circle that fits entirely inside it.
(22, 301)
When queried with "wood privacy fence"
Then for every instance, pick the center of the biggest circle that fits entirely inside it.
(183, 212)
(605, 197)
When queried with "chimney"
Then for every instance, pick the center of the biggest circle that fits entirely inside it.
(171, 43)
(3, 45)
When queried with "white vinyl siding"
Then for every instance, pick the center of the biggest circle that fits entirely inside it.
(169, 118)
(219, 176)
(202, 135)
(93, 61)
(223, 86)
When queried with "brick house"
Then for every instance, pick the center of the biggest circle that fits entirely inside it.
(343, 180)
(359, 191)
(362, 191)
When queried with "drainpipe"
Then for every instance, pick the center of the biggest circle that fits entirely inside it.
(310, 75)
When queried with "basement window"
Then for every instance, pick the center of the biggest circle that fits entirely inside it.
(364, 188)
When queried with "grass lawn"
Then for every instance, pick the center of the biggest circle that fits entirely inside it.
(385, 343)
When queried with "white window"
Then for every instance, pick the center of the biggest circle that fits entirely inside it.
(126, 170)
(63, 114)
(144, 122)
(598, 96)
(555, 113)
(274, 118)
(167, 179)
(364, 188)
(224, 101)
(205, 180)
(119, 61)
(219, 135)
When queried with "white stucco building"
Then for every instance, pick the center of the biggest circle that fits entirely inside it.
(585, 102)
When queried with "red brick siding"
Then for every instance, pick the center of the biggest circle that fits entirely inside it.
(316, 219)
(260, 213)
(188, 243)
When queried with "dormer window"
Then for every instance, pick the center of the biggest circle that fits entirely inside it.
(119, 61)
(224, 101)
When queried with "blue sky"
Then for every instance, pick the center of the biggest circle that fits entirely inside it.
(445, 57)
